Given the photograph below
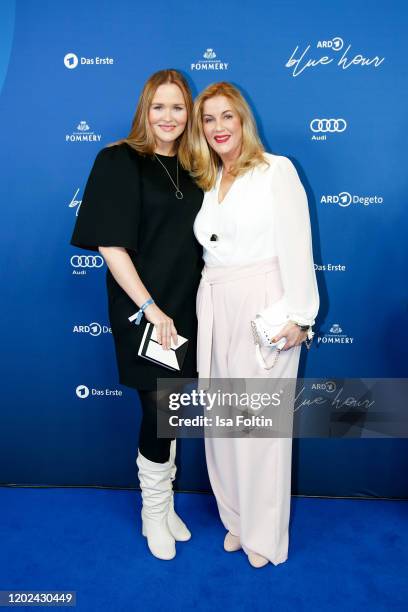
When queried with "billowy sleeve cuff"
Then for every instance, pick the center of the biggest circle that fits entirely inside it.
(294, 243)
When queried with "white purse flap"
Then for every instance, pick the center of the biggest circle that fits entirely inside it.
(267, 324)
(181, 340)
(276, 314)
(270, 321)
(153, 351)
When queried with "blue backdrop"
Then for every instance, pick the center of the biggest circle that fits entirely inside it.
(328, 84)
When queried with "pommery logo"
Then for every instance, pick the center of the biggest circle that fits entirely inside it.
(300, 60)
(335, 336)
(209, 62)
(83, 133)
(83, 126)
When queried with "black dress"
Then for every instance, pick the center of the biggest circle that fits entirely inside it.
(129, 201)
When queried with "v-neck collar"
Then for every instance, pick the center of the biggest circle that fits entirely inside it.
(217, 188)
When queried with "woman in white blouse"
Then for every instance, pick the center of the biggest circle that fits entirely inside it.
(255, 230)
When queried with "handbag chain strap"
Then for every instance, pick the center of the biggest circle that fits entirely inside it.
(258, 349)
(261, 358)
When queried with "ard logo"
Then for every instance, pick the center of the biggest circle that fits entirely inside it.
(336, 44)
(329, 386)
(70, 61)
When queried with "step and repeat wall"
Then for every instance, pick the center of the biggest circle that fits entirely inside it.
(328, 85)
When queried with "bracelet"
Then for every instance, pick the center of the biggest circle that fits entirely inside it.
(310, 333)
(303, 327)
(309, 338)
(137, 317)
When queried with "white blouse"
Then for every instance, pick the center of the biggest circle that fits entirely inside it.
(264, 214)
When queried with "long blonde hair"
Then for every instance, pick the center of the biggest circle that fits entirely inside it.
(206, 162)
(141, 137)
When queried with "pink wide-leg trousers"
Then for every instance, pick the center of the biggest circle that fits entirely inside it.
(250, 477)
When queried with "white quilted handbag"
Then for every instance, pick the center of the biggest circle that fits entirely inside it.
(265, 326)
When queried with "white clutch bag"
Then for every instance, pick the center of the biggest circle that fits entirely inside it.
(150, 349)
(265, 326)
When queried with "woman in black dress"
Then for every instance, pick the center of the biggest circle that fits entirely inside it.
(138, 210)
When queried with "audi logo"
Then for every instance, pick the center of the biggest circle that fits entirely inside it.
(328, 125)
(87, 261)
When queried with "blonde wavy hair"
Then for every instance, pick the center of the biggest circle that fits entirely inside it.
(141, 137)
(206, 162)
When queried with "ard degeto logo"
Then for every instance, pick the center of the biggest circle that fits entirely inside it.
(71, 61)
(344, 199)
(93, 329)
(209, 61)
(328, 52)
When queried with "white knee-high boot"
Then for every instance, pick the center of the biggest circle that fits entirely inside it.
(177, 527)
(156, 490)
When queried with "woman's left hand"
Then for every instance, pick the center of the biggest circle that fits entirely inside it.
(293, 334)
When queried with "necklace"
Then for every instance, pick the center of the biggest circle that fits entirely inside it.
(179, 195)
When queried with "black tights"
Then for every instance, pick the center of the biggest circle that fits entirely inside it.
(153, 448)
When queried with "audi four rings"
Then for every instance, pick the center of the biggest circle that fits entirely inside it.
(328, 125)
(87, 261)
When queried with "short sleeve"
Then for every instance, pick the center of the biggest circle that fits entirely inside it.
(110, 211)
(294, 243)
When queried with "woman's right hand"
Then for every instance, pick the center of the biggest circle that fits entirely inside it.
(165, 329)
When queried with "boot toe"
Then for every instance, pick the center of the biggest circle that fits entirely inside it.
(161, 553)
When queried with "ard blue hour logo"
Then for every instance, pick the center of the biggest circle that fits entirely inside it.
(328, 52)
(75, 203)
